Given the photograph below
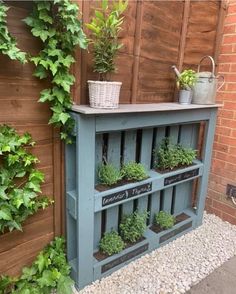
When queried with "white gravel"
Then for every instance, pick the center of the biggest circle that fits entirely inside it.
(176, 267)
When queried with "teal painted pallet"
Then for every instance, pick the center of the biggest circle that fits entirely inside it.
(121, 137)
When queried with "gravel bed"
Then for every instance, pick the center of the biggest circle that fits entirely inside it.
(175, 267)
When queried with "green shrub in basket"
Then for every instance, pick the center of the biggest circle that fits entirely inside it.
(165, 220)
(111, 243)
(133, 226)
(134, 171)
(109, 175)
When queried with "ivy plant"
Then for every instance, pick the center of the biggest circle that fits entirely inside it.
(57, 25)
(49, 271)
(105, 27)
(111, 243)
(19, 180)
(8, 45)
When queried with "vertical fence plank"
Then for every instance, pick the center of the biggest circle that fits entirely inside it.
(113, 156)
(98, 215)
(183, 193)
(155, 197)
(168, 193)
(129, 154)
(145, 159)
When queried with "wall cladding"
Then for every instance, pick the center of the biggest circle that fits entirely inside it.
(156, 35)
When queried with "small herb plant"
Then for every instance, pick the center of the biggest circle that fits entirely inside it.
(165, 220)
(8, 44)
(49, 271)
(187, 79)
(134, 171)
(133, 226)
(105, 27)
(19, 180)
(111, 243)
(108, 174)
(169, 156)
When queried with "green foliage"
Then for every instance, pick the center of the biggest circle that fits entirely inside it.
(165, 220)
(19, 180)
(49, 271)
(111, 243)
(105, 27)
(8, 44)
(57, 25)
(133, 226)
(169, 156)
(108, 174)
(187, 79)
(134, 171)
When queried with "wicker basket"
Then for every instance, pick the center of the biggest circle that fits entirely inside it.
(104, 94)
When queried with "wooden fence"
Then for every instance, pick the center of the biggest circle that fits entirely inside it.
(156, 35)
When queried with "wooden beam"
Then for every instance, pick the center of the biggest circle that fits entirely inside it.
(219, 32)
(137, 43)
(184, 31)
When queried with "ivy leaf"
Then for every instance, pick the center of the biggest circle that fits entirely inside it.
(65, 81)
(64, 285)
(46, 95)
(43, 14)
(3, 194)
(40, 72)
(5, 214)
(63, 117)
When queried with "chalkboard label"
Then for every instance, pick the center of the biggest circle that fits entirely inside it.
(124, 258)
(125, 194)
(181, 177)
(175, 232)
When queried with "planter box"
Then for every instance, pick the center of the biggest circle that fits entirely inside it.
(131, 133)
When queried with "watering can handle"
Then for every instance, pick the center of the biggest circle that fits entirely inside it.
(212, 61)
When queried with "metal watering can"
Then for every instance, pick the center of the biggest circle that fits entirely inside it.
(204, 91)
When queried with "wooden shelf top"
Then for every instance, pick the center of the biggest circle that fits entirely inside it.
(133, 108)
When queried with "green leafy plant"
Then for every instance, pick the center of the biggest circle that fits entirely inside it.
(133, 226)
(165, 220)
(111, 243)
(169, 156)
(49, 271)
(57, 25)
(19, 180)
(8, 45)
(108, 174)
(187, 79)
(134, 171)
(105, 27)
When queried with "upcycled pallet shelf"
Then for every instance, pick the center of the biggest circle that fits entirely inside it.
(121, 135)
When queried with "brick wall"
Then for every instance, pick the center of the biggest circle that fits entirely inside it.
(224, 155)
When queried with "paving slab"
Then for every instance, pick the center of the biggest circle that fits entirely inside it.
(221, 281)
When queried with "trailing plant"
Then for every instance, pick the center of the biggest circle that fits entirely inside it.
(187, 79)
(105, 28)
(108, 174)
(8, 45)
(134, 171)
(111, 243)
(19, 180)
(49, 271)
(57, 25)
(133, 226)
(165, 220)
(170, 156)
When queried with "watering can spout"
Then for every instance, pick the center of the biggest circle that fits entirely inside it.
(176, 70)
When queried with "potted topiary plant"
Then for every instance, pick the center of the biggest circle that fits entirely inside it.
(105, 27)
(185, 83)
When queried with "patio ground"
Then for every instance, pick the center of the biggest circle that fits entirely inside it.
(221, 281)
